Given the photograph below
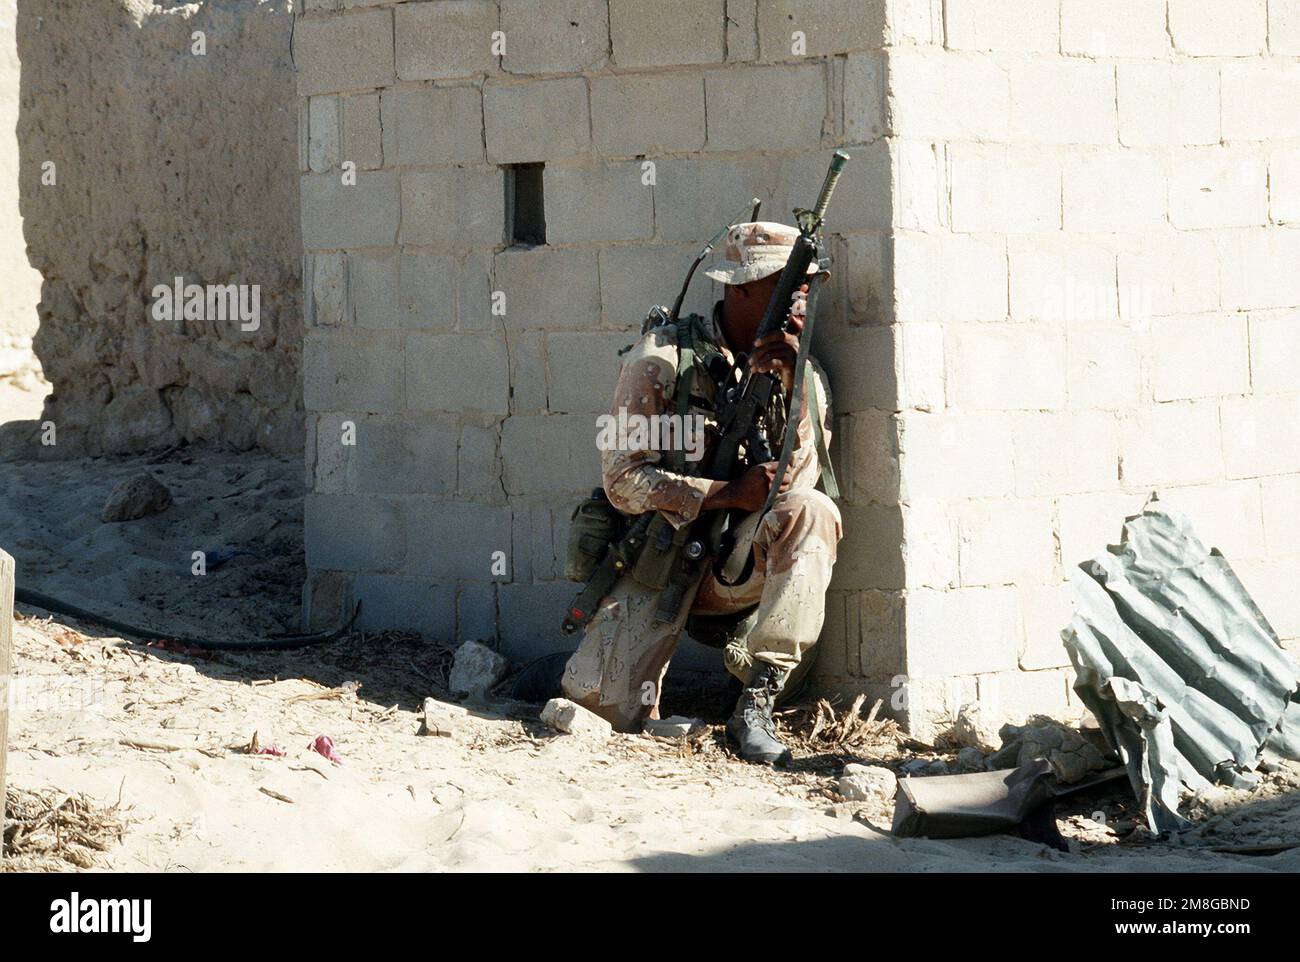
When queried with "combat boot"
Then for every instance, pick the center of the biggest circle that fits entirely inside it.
(751, 727)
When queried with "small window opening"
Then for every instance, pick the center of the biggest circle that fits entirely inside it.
(525, 207)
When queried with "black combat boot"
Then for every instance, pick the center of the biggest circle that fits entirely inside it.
(751, 727)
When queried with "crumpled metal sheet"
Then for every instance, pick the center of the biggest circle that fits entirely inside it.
(1182, 670)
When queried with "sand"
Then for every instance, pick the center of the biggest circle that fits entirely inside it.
(159, 735)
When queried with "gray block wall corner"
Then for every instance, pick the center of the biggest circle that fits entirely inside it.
(475, 432)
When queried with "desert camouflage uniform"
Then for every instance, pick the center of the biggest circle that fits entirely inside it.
(618, 670)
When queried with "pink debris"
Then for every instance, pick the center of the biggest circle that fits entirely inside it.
(275, 750)
(324, 745)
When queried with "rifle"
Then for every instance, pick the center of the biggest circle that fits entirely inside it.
(743, 407)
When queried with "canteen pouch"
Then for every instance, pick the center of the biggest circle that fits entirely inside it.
(663, 544)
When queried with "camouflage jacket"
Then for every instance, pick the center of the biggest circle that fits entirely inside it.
(637, 477)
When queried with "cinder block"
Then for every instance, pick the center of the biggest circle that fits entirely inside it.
(1201, 356)
(742, 30)
(862, 369)
(1284, 28)
(344, 372)
(795, 111)
(527, 373)
(1045, 610)
(862, 196)
(1006, 367)
(552, 454)
(1010, 542)
(864, 97)
(922, 178)
(634, 114)
(1227, 515)
(930, 705)
(1167, 272)
(537, 121)
(1021, 26)
(1103, 368)
(1062, 453)
(1016, 695)
(582, 370)
(432, 125)
(607, 202)
(931, 545)
(1248, 264)
(533, 538)
(1173, 104)
(868, 457)
(403, 456)
(668, 32)
(875, 633)
(326, 288)
(1274, 352)
(362, 135)
(426, 291)
(871, 553)
(925, 264)
(543, 36)
(478, 473)
(457, 206)
(1284, 185)
(1063, 101)
(531, 616)
(476, 613)
(456, 540)
(327, 455)
(955, 455)
(372, 278)
(1177, 443)
(696, 196)
(948, 96)
(1218, 187)
(996, 188)
(406, 604)
(909, 22)
(825, 27)
(920, 367)
(1209, 28)
(633, 278)
(474, 294)
(364, 214)
(967, 630)
(1261, 435)
(1281, 513)
(457, 372)
(1114, 190)
(1114, 28)
(549, 288)
(1090, 522)
(1271, 584)
(1259, 98)
(863, 264)
(353, 532)
(344, 53)
(451, 38)
(323, 133)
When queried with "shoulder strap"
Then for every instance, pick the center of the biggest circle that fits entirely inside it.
(685, 362)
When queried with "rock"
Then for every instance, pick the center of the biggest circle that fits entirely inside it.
(135, 498)
(442, 719)
(973, 728)
(970, 760)
(572, 719)
(860, 783)
(476, 669)
(1069, 753)
(917, 766)
(676, 726)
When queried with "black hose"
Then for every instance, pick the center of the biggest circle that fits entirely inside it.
(283, 643)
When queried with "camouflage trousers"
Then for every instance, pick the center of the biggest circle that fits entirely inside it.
(617, 672)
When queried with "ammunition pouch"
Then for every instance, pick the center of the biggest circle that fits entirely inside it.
(595, 525)
(658, 559)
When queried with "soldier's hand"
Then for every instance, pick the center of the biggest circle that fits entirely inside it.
(776, 353)
(749, 491)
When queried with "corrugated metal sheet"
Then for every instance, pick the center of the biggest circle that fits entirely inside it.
(1182, 670)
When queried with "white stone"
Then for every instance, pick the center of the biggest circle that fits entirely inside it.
(572, 719)
(861, 783)
(476, 668)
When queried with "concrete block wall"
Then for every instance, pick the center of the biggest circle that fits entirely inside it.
(1095, 227)
(453, 379)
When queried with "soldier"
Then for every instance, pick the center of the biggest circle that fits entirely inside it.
(618, 670)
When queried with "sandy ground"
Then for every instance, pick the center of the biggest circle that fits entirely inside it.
(22, 386)
(161, 735)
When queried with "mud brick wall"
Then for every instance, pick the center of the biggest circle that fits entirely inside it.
(475, 431)
(168, 164)
(1097, 222)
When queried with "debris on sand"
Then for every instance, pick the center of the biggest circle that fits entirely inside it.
(860, 783)
(56, 832)
(136, 497)
(476, 669)
(818, 729)
(572, 719)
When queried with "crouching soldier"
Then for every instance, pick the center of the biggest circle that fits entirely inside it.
(776, 591)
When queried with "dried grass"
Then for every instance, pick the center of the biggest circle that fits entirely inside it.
(56, 832)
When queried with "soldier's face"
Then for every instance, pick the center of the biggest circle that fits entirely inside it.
(742, 310)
